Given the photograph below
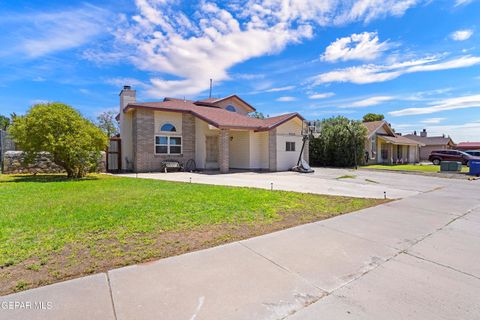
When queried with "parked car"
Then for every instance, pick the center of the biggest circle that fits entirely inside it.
(451, 155)
(475, 153)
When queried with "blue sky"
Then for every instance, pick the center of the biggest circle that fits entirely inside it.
(417, 62)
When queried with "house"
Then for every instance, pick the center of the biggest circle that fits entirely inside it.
(216, 133)
(384, 146)
(430, 143)
(468, 146)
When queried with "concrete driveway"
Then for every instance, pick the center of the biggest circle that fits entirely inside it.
(344, 182)
(415, 258)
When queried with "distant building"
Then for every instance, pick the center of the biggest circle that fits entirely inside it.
(430, 144)
(468, 146)
(384, 146)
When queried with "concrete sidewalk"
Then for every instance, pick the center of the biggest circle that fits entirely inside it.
(416, 258)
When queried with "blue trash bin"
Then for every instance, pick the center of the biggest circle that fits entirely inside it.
(474, 167)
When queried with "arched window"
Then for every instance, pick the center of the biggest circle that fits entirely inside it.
(231, 108)
(168, 127)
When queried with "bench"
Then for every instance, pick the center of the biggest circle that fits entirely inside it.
(171, 164)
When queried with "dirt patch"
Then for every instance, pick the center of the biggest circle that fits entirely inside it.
(76, 260)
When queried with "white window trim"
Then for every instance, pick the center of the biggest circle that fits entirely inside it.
(168, 136)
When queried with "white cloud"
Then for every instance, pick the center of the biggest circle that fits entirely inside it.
(249, 76)
(372, 101)
(187, 50)
(462, 2)
(457, 103)
(433, 120)
(286, 99)
(49, 32)
(461, 35)
(120, 82)
(321, 95)
(287, 88)
(370, 73)
(368, 10)
(362, 46)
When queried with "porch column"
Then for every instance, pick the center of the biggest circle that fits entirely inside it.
(390, 158)
(223, 150)
(272, 150)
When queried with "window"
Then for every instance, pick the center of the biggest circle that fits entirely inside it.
(168, 127)
(168, 145)
(290, 146)
(374, 147)
(231, 108)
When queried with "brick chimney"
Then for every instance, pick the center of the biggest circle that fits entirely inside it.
(127, 95)
(423, 133)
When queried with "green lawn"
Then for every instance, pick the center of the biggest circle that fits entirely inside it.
(410, 167)
(52, 228)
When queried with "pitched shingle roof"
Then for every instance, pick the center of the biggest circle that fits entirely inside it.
(468, 145)
(212, 101)
(430, 141)
(215, 116)
(400, 140)
(373, 126)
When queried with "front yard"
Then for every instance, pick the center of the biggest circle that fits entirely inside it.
(410, 167)
(52, 228)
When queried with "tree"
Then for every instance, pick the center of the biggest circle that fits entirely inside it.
(257, 115)
(369, 117)
(73, 142)
(4, 122)
(106, 121)
(339, 141)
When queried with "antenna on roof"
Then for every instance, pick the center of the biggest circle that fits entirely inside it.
(210, 95)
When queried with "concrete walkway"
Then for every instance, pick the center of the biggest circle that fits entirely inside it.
(343, 182)
(416, 258)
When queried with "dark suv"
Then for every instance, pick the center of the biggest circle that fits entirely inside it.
(451, 155)
(475, 153)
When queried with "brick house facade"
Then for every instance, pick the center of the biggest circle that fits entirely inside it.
(215, 133)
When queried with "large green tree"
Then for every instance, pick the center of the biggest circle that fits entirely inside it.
(106, 121)
(369, 117)
(339, 141)
(4, 122)
(74, 142)
(257, 115)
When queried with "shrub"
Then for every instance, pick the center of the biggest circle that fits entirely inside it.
(338, 139)
(74, 142)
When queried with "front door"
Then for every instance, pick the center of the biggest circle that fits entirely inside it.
(211, 161)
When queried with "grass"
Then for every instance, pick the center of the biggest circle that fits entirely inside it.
(53, 228)
(411, 167)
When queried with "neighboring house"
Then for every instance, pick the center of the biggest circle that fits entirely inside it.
(384, 146)
(215, 133)
(430, 143)
(468, 146)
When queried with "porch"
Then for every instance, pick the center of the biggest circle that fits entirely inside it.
(230, 149)
(392, 151)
